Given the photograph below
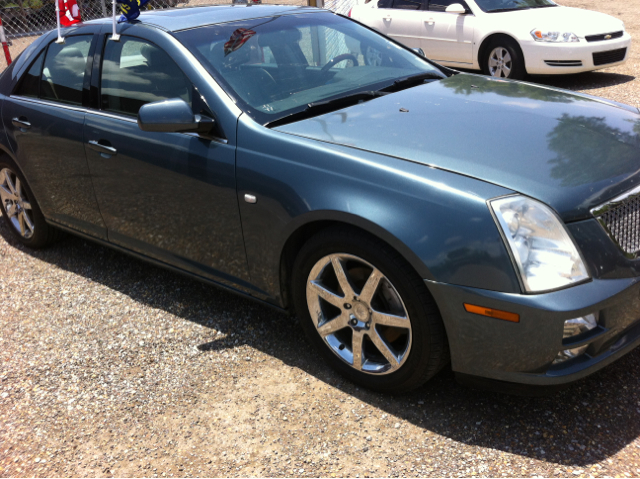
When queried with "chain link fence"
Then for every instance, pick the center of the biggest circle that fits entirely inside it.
(25, 20)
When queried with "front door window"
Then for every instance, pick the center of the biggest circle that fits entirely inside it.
(136, 72)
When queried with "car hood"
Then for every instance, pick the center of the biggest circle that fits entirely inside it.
(569, 150)
(563, 19)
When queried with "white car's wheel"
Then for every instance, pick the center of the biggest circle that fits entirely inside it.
(503, 59)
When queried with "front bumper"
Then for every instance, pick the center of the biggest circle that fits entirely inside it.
(561, 58)
(524, 352)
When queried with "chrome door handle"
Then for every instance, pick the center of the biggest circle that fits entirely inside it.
(18, 123)
(100, 148)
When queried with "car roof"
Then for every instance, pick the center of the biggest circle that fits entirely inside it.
(175, 19)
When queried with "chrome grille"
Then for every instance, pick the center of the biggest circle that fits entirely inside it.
(622, 221)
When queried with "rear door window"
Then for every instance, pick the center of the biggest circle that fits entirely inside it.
(30, 85)
(407, 4)
(64, 69)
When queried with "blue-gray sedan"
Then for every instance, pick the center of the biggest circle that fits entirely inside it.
(410, 215)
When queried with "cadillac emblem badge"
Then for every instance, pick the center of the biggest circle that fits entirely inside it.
(607, 37)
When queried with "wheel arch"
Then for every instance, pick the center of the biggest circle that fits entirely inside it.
(6, 151)
(313, 223)
(486, 41)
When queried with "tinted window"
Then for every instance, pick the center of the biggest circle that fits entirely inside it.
(505, 5)
(30, 85)
(136, 72)
(385, 3)
(407, 4)
(63, 71)
(441, 5)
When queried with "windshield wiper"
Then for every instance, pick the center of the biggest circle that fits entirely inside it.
(320, 107)
(326, 106)
(413, 80)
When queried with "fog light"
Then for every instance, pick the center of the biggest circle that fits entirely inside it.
(574, 327)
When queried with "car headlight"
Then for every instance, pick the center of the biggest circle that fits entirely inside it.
(553, 37)
(542, 249)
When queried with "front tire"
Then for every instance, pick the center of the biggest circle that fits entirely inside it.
(504, 59)
(20, 209)
(367, 311)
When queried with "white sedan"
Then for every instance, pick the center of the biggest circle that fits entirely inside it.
(503, 38)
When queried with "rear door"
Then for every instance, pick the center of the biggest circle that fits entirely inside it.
(43, 119)
(448, 37)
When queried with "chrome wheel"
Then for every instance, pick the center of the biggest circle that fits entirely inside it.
(500, 63)
(16, 203)
(359, 314)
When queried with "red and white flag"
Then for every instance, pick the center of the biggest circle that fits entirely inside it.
(238, 38)
(69, 12)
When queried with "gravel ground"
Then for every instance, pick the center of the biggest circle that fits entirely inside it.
(112, 367)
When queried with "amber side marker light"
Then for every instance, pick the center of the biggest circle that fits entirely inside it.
(492, 313)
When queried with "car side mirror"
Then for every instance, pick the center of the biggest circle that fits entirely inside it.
(456, 8)
(173, 115)
(420, 52)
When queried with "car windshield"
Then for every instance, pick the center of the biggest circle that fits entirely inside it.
(276, 67)
(510, 5)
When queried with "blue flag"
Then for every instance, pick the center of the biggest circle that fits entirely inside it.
(130, 9)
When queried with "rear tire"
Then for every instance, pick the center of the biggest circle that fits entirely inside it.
(20, 210)
(376, 324)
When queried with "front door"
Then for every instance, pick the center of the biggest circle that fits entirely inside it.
(171, 196)
(447, 37)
